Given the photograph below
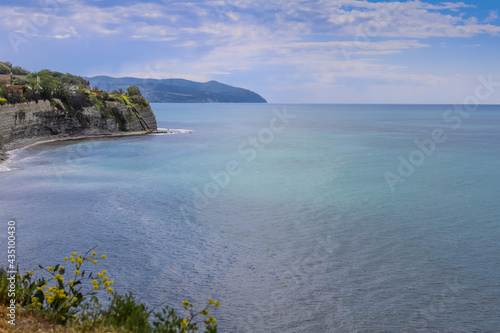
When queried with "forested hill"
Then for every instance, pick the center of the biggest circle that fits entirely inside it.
(179, 90)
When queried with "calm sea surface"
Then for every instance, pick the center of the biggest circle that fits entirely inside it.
(298, 218)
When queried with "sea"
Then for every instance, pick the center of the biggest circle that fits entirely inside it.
(297, 218)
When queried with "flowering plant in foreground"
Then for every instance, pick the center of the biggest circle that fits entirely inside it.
(69, 294)
(62, 293)
(168, 321)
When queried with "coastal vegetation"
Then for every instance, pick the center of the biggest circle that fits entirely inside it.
(66, 91)
(69, 295)
(46, 103)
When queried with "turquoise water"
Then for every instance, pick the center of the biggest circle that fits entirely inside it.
(298, 223)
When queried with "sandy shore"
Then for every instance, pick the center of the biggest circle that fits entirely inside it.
(26, 142)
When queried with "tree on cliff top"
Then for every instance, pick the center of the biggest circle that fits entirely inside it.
(133, 91)
(16, 70)
(4, 69)
(135, 96)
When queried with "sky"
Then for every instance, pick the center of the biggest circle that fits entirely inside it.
(289, 51)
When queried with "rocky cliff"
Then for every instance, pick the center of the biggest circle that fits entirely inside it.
(45, 119)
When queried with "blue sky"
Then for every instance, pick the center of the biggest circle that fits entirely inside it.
(289, 51)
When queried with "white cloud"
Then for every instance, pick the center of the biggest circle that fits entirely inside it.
(310, 40)
(411, 19)
(62, 36)
(493, 16)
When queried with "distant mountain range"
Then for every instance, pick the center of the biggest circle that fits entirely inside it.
(179, 90)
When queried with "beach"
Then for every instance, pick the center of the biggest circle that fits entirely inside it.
(27, 142)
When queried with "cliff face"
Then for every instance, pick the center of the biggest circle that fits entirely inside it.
(42, 119)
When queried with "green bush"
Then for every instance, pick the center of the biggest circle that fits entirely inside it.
(139, 101)
(133, 91)
(125, 312)
(61, 295)
(4, 69)
(17, 70)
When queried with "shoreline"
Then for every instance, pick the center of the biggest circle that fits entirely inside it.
(29, 142)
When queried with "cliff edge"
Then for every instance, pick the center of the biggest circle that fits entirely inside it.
(49, 119)
(36, 106)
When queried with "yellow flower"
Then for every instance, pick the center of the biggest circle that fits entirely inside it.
(96, 287)
(93, 253)
(105, 278)
(99, 275)
(185, 303)
(61, 268)
(94, 281)
(73, 254)
(110, 290)
(95, 262)
(75, 299)
(210, 301)
(106, 284)
(217, 303)
(77, 272)
(28, 272)
(111, 282)
(62, 317)
(99, 319)
(65, 258)
(103, 256)
(75, 316)
(184, 323)
(204, 312)
(51, 269)
(207, 321)
(104, 271)
(71, 282)
(212, 319)
(79, 260)
(72, 260)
